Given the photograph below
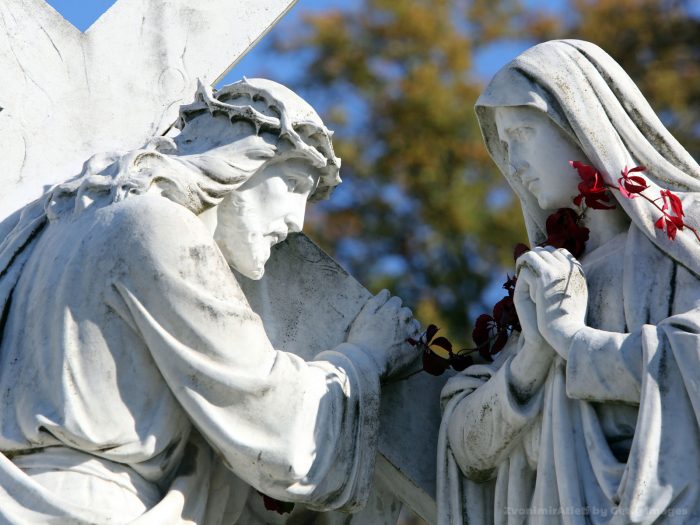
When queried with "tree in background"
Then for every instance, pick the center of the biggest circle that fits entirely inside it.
(423, 211)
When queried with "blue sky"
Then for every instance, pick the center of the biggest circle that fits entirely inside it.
(261, 62)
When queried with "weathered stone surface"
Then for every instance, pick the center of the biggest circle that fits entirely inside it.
(590, 414)
(66, 95)
(147, 343)
(307, 303)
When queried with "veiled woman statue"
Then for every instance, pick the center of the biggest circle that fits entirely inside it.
(591, 414)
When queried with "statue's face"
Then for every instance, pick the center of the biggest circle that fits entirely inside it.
(538, 155)
(262, 212)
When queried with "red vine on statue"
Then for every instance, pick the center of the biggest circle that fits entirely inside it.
(564, 229)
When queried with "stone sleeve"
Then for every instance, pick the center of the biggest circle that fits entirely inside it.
(604, 366)
(487, 423)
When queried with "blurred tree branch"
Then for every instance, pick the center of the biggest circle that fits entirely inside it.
(423, 210)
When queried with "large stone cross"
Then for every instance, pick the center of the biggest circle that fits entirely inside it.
(66, 95)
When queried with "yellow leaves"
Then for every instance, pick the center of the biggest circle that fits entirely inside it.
(656, 42)
(398, 74)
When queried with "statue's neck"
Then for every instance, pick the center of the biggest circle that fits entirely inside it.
(604, 225)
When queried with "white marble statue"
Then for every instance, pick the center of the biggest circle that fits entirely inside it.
(137, 384)
(591, 414)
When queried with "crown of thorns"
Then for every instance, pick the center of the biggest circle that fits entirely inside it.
(309, 138)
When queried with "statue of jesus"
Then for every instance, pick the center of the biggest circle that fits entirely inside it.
(137, 384)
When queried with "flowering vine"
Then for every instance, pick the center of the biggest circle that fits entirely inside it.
(564, 229)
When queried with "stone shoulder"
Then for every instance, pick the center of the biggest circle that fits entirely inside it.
(154, 226)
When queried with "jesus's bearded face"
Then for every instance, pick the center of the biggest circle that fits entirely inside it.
(262, 212)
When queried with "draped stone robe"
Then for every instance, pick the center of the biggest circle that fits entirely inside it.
(137, 384)
(612, 436)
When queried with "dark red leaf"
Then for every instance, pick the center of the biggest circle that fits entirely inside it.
(433, 363)
(443, 342)
(461, 361)
(596, 202)
(504, 312)
(677, 221)
(275, 505)
(636, 179)
(520, 249)
(563, 231)
(671, 229)
(584, 170)
(485, 352)
(669, 224)
(592, 188)
(482, 329)
(671, 200)
(631, 186)
(500, 342)
(509, 285)
(430, 333)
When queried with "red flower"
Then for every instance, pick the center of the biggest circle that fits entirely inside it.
(563, 231)
(670, 221)
(631, 185)
(592, 188)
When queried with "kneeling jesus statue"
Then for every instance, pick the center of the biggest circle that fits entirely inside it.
(137, 384)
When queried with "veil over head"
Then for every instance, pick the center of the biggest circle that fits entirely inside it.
(598, 106)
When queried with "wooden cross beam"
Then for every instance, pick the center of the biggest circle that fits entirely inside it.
(66, 95)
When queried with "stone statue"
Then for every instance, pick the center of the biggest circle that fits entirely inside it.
(137, 384)
(590, 415)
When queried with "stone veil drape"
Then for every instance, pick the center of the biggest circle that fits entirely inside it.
(639, 355)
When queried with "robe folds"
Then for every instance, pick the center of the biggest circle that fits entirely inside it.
(137, 385)
(613, 435)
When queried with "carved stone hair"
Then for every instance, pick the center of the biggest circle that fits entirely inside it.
(196, 182)
(273, 108)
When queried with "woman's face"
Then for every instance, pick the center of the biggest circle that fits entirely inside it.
(538, 155)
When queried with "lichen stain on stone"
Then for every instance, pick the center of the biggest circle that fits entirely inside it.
(198, 253)
(480, 476)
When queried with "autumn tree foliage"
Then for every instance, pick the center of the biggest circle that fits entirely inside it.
(423, 210)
